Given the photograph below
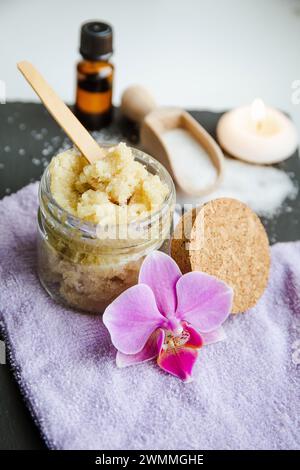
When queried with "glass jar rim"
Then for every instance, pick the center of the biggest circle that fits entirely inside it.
(90, 228)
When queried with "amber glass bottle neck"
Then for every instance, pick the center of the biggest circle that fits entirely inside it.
(102, 58)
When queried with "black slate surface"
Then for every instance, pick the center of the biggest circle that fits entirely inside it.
(28, 139)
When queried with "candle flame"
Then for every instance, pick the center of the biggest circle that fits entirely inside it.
(258, 111)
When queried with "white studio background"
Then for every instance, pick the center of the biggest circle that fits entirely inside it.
(192, 53)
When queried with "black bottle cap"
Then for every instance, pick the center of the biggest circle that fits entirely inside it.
(96, 40)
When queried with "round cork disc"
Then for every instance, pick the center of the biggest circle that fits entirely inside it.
(227, 240)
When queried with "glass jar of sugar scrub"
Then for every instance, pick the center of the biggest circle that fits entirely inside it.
(96, 224)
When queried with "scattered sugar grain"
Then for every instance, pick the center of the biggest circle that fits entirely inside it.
(47, 151)
(36, 135)
(55, 140)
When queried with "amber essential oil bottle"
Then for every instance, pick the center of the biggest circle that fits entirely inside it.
(95, 75)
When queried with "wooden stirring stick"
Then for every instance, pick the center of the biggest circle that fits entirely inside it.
(61, 113)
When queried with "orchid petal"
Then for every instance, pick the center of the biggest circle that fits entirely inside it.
(213, 336)
(203, 300)
(179, 362)
(131, 318)
(160, 272)
(151, 350)
(195, 340)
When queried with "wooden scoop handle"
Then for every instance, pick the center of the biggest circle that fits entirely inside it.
(61, 113)
(137, 102)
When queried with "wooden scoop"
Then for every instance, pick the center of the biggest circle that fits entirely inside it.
(138, 105)
(61, 113)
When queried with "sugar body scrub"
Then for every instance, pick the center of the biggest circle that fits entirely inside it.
(98, 221)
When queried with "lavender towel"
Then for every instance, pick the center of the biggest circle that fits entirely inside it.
(244, 395)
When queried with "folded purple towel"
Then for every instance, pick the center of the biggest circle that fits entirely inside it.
(244, 395)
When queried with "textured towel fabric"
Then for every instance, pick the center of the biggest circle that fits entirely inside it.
(244, 395)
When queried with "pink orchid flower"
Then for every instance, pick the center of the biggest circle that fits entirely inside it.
(167, 315)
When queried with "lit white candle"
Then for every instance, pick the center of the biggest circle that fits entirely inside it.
(257, 134)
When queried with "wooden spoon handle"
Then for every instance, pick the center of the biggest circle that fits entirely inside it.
(137, 102)
(61, 113)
